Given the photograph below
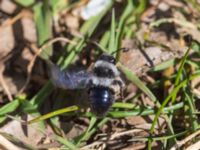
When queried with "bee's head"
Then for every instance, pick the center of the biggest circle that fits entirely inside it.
(108, 58)
(105, 66)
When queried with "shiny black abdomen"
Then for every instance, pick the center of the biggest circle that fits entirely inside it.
(101, 98)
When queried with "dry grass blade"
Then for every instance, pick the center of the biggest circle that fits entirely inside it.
(184, 141)
(5, 144)
(114, 136)
(3, 83)
(58, 39)
(194, 146)
(176, 21)
(125, 133)
(94, 144)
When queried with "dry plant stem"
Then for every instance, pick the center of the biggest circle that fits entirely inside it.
(3, 83)
(174, 3)
(125, 133)
(115, 135)
(49, 145)
(30, 67)
(19, 120)
(194, 146)
(37, 52)
(139, 147)
(7, 144)
(58, 39)
(178, 22)
(129, 96)
(9, 22)
(196, 92)
(184, 141)
(94, 144)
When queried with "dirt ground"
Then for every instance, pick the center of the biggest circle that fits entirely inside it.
(157, 34)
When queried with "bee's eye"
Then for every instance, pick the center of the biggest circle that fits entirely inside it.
(112, 60)
(107, 58)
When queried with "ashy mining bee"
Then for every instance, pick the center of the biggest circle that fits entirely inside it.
(103, 83)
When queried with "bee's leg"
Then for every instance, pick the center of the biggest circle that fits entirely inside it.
(122, 86)
(118, 87)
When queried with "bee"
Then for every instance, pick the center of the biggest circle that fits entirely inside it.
(103, 82)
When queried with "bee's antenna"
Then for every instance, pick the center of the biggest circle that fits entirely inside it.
(98, 46)
(123, 49)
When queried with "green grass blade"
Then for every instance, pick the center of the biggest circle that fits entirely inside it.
(180, 70)
(171, 97)
(141, 111)
(43, 20)
(191, 109)
(53, 114)
(39, 98)
(141, 7)
(57, 6)
(112, 42)
(163, 65)
(25, 3)
(94, 129)
(124, 105)
(8, 108)
(65, 142)
(105, 39)
(179, 73)
(167, 137)
(135, 80)
(127, 12)
(175, 90)
(86, 135)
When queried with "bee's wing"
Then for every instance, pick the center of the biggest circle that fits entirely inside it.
(69, 79)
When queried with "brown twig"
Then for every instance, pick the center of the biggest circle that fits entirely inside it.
(11, 21)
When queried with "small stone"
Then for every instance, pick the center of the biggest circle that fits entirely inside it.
(7, 41)
(29, 29)
(8, 6)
